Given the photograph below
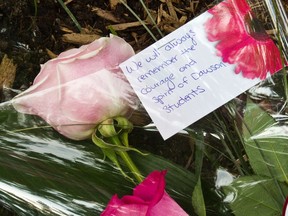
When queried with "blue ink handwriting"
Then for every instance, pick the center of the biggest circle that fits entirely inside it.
(177, 41)
(166, 80)
(154, 56)
(211, 69)
(188, 65)
(158, 68)
(184, 99)
(134, 67)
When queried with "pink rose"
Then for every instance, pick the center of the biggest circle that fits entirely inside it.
(149, 199)
(81, 88)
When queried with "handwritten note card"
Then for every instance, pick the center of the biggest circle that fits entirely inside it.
(180, 79)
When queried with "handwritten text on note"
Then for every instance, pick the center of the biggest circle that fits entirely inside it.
(180, 79)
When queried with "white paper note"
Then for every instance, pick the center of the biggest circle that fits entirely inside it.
(180, 79)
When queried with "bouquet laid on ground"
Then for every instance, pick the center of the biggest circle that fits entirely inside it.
(83, 95)
(64, 146)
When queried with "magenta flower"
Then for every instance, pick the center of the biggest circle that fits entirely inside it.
(149, 199)
(241, 40)
(81, 88)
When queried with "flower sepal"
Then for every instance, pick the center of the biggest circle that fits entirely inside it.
(112, 137)
(107, 133)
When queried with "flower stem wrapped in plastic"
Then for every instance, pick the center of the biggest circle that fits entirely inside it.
(82, 88)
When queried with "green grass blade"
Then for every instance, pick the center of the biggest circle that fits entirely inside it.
(151, 18)
(73, 18)
(138, 18)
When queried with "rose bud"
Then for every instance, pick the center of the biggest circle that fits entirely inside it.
(81, 88)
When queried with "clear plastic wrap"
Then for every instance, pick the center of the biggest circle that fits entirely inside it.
(50, 164)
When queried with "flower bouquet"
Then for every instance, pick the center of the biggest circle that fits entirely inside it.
(72, 142)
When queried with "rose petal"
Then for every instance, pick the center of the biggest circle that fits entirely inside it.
(91, 58)
(149, 199)
(84, 109)
(152, 188)
(117, 207)
(166, 207)
(81, 88)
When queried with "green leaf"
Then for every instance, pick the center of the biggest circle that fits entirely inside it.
(255, 195)
(265, 143)
(256, 120)
(44, 173)
(197, 195)
(198, 199)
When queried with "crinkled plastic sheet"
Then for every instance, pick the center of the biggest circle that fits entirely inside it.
(44, 173)
(50, 164)
(260, 127)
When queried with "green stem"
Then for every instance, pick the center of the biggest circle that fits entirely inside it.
(138, 18)
(151, 18)
(226, 145)
(281, 47)
(73, 18)
(35, 8)
(128, 161)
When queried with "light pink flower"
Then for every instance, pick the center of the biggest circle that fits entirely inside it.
(241, 40)
(80, 88)
(149, 199)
